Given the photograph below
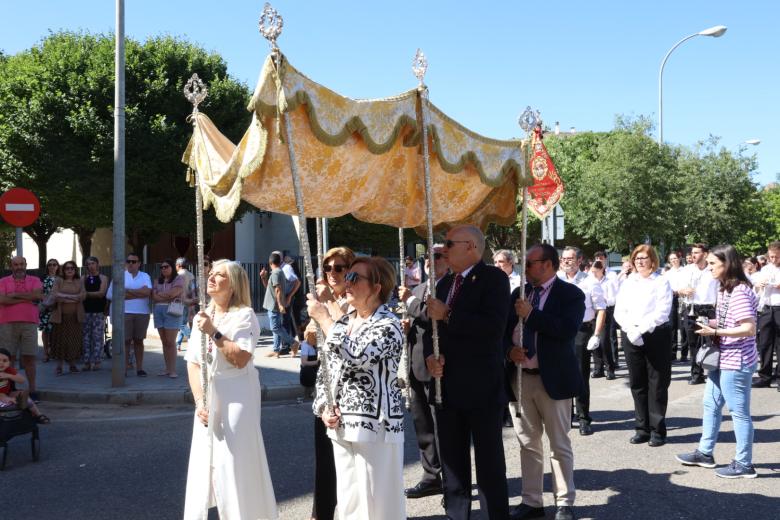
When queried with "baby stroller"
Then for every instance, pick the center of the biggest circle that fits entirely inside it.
(15, 422)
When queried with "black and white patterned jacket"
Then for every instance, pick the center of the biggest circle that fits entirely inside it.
(363, 373)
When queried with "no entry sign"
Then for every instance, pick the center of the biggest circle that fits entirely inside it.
(19, 207)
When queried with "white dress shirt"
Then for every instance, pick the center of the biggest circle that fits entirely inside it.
(643, 304)
(594, 295)
(609, 287)
(771, 274)
(704, 285)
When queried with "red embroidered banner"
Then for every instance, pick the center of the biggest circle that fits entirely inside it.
(547, 189)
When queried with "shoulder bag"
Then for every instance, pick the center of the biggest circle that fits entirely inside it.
(708, 356)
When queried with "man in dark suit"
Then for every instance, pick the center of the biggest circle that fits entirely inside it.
(422, 411)
(552, 314)
(471, 307)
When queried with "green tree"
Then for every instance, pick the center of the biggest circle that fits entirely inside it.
(761, 221)
(718, 192)
(56, 131)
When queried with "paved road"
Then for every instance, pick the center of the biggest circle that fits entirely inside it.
(130, 462)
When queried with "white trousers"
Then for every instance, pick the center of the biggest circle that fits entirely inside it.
(369, 480)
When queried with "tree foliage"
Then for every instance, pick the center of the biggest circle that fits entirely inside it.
(56, 129)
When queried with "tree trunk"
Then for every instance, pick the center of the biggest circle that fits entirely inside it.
(85, 240)
(41, 232)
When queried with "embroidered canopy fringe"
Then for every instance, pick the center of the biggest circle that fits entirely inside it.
(355, 156)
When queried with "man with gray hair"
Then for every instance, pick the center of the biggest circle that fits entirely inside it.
(504, 259)
(19, 293)
(471, 306)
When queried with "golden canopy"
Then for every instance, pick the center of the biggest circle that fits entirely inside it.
(355, 156)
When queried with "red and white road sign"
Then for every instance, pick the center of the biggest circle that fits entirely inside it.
(19, 207)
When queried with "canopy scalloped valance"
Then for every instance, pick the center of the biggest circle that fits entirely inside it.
(355, 156)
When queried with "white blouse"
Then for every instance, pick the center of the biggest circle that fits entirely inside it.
(643, 303)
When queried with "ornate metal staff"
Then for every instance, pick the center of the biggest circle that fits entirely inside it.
(196, 91)
(528, 121)
(419, 67)
(270, 26)
(403, 365)
(320, 249)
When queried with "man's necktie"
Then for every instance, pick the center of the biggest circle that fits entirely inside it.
(529, 337)
(455, 289)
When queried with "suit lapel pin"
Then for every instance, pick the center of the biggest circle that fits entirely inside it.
(473, 278)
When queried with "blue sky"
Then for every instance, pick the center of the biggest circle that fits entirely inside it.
(580, 63)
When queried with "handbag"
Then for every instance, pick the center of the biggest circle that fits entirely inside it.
(708, 356)
(175, 308)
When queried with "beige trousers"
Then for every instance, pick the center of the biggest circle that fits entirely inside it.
(540, 414)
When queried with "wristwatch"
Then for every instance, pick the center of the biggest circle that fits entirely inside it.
(217, 335)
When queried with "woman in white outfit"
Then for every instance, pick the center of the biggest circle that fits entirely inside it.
(228, 467)
(366, 425)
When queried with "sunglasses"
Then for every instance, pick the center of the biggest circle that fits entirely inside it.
(165, 267)
(131, 261)
(70, 268)
(436, 256)
(52, 265)
(451, 243)
(353, 277)
(338, 268)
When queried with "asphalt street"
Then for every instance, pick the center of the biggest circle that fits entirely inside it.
(130, 462)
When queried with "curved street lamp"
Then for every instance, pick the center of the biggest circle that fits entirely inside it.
(715, 32)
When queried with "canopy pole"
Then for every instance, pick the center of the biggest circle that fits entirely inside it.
(419, 67)
(196, 91)
(403, 365)
(320, 249)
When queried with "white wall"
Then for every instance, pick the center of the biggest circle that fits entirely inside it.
(257, 234)
(63, 246)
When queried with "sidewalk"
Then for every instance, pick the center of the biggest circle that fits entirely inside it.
(278, 378)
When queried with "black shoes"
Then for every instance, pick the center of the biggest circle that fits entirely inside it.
(639, 438)
(656, 440)
(524, 511)
(596, 374)
(696, 380)
(762, 383)
(585, 428)
(424, 489)
(610, 375)
(564, 513)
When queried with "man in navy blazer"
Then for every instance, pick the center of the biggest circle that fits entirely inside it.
(471, 307)
(552, 314)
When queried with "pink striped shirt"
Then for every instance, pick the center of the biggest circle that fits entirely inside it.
(737, 352)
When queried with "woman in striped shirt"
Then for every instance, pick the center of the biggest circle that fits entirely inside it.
(734, 329)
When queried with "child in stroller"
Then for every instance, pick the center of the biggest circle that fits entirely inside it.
(9, 395)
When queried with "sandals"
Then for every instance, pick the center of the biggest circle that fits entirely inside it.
(42, 419)
(58, 372)
(74, 369)
(140, 373)
(173, 376)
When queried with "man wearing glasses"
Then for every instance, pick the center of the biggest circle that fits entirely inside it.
(592, 324)
(138, 288)
(19, 317)
(552, 312)
(471, 307)
(419, 377)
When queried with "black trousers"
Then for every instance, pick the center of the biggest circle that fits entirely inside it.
(649, 375)
(603, 357)
(695, 341)
(769, 342)
(425, 430)
(680, 330)
(324, 506)
(613, 335)
(457, 429)
(583, 358)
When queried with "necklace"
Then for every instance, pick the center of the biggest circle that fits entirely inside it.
(209, 355)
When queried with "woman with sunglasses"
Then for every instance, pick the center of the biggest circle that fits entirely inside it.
(45, 310)
(366, 423)
(168, 288)
(331, 291)
(642, 310)
(68, 318)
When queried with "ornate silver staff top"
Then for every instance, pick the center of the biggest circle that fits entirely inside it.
(195, 91)
(420, 67)
(529, 119)
(270, 25)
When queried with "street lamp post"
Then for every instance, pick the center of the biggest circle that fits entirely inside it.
(715, 32)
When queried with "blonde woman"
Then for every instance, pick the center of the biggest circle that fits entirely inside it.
(228, 467)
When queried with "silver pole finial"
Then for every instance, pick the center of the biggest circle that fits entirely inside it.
(420, 66)
(529, 120)
(195, 91)
(270, 25)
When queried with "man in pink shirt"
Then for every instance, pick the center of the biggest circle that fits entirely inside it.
(19, 317)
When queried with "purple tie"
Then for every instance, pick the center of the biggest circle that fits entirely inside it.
(455, 289)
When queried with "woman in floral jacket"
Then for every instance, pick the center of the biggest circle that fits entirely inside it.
(366, 422)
